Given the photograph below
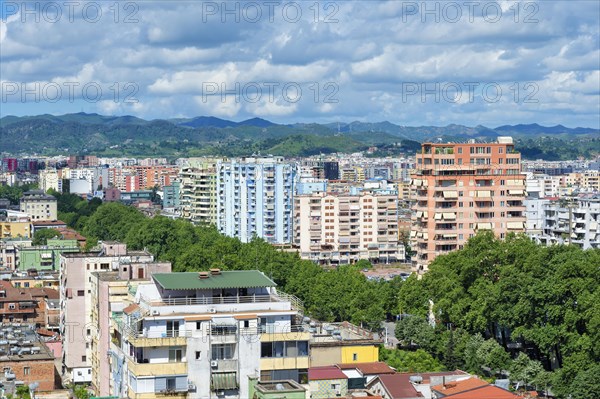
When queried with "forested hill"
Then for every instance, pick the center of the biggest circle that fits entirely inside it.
(127, 135)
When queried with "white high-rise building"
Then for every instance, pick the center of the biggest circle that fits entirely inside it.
(255, 197)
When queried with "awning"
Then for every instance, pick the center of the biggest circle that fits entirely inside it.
(413, 233)
(514, 225)
(419, 214)
(438, 216)
(223, 381)
(514, 182)
(450, 194)
(425, 214)
(484, 194)
(484, 226)
(417, 182)
(224, 321)
(516, 192)
(449, 216)
(449, 235)
(426, 236)
(593, 225)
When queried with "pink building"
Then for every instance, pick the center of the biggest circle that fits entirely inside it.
(76, 305)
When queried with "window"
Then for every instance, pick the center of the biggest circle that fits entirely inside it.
(175, 354)
(80, 292)
(198, 353)
(198, 325)
(223, 351)
(354, 357)
(83, 359)
(26, 370)
(246, 323)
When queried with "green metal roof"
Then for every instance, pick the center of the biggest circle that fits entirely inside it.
(227, 279)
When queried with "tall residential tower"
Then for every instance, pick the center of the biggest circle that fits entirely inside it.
(462, 188)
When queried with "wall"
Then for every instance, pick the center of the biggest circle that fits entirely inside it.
(41, 371)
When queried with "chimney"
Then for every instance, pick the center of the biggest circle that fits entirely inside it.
(202, 275)
(215, 272)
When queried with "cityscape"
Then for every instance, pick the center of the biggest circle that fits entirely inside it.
(295, 200)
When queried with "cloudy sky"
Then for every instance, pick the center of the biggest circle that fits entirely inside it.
(411, 63)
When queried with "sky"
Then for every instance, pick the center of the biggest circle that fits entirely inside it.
(411, 63)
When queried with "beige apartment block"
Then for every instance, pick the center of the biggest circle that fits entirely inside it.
(336, 229)
(39, 205)
(199, 192)
(463, 188)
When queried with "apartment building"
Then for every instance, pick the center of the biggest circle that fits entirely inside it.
(334, 229)
(566, 220)
(39, 205)
(198, 192)
(15, 225)
(462, 188)
(50, 179)
(76, 305)
(255, 197)
(46, 257)
(138, 177)
(201, 335)
(110, 293)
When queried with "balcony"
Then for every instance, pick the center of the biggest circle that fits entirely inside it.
(154, 369)
(277, 301)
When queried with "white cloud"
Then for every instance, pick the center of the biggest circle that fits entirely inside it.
(174, 50)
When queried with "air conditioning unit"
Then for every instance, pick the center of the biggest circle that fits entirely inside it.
(155, 312)
(212, 310)
(214, 364)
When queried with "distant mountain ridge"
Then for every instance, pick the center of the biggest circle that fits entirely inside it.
(93, 132)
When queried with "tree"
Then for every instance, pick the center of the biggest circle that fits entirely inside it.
(22, 392)
(80, 391)
(418, 361)
(414, 330)
(41, 237)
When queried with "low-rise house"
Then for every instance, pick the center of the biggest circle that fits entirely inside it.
(25, 358)
(288, 389)
(327, 382)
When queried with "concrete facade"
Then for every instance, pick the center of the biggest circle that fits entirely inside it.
(462, 188)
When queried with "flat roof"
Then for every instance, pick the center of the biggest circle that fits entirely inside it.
(226, 279)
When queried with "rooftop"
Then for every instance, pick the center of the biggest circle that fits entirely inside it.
(223, 280)
(451, 388)
(399, 386)
(279, 386)
(326, 373)
(487, 392)
(368, 368)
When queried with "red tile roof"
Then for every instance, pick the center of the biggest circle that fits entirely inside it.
(368, 368)
(486, 392)
(326, 373)
(131, 308)
(399, 386)
(453, 387)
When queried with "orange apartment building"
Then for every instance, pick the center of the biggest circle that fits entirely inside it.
(135, 178)
(460, 189)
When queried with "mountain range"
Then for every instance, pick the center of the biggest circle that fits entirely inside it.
(83, 132)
